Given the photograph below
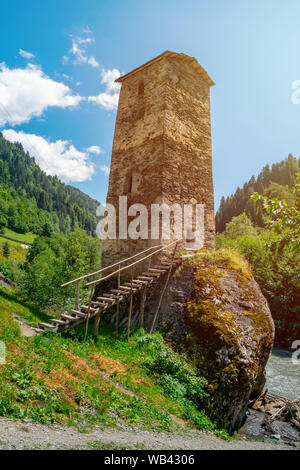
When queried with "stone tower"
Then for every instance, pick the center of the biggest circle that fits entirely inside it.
(162, 144)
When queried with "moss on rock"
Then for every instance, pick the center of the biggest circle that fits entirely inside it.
(217, 314)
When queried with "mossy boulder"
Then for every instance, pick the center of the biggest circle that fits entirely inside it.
(215, 312)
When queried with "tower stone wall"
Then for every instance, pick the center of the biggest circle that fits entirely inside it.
(162, 145)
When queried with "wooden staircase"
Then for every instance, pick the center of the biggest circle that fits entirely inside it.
(124, 292)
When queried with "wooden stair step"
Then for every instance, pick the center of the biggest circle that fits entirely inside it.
(125, 290)
(68, 317)
(146, 278)
(151, 274)
(85, 307)
(38, 330)
(78, 313)
(127, 286)
(47, 325)
(118, 295)
(118, 291)
(134, 284)
(115, 297)
(161, 271)
(58, 321)
(100, 304)
(107, 299)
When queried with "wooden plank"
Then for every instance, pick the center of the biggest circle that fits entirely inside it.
(38, 330)
(151, 274)
(117, 319)
(112, 296)
(47, 325)
(78, 313)
(157, 270)
(107, 299)
(85, 307)
(164, 267)
(88, 312)
(56, 320)
(100, 304)
(67, 317)
(163, 292)
(77, 295)
(130, 304)
(142, 307)
(118, 296)
(127, 286)
(118, 291)
(96, 325)
(146, 278)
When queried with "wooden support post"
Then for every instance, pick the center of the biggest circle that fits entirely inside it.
(118, 304)
(77, 295)
(96, 325)
(163, 291)
(130, 305)
(142, 307)
(88, 312)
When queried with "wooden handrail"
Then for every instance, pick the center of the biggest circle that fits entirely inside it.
(131, 265)
(108, 267)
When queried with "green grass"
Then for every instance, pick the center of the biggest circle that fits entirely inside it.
(58, 378)
(61, 379)
(25, 237)
(11, 304)
(230, 257)
(17, 252)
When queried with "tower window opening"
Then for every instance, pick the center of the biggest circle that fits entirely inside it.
(128, 184)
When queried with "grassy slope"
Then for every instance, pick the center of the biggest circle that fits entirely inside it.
(17, 252)
(56, 378)
(25, 237)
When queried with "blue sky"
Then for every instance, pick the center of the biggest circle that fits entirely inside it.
(251, 49)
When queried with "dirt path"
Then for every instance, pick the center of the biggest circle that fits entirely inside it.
(25, 435)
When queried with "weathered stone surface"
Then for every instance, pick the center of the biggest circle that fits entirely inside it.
(162, 145)
(219, 317)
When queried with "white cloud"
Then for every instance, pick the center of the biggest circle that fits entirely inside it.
(25, 54)
(105, 170)
(87, 30)
(58, 158)
(92, 61)
(94, 149)
(110, 98)
(28, 92)
(79, 52)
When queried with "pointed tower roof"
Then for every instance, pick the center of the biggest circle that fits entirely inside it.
(180, 56)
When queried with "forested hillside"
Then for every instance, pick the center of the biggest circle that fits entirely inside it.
(30, 200)
(273, 250)
(273, 182)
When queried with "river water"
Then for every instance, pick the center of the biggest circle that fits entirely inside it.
(283, 376)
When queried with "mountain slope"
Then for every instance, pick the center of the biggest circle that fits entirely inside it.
(282, 174)
(32, 199)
